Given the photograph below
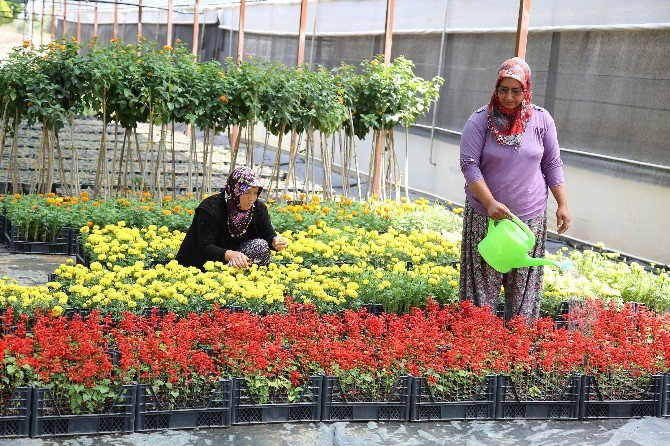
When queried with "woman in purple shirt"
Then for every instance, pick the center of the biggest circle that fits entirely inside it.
(509, 157)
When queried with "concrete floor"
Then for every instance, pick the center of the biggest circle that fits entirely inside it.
(643, 432)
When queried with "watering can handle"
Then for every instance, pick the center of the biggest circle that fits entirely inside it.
(523, 226)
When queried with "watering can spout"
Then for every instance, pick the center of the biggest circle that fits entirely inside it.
(532, 261)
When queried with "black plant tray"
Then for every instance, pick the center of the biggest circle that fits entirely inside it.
(151, 415)
(15, 415)
(593, 405)
(336, 406)
(566, 407)
(16, 243)
(120, 418)
(426, 408)
(246, 410)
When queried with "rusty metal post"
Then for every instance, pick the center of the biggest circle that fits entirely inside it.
(64, 17)
(169, 23)
(79, 21)
(196, 17)
(522, 29)
(240, 31)
(53, 19)
(139, 19)
(42, 23)
(116, 18)
(95, 18)
(301, 34)
(388, 40)
(32, 22)
(240, 56)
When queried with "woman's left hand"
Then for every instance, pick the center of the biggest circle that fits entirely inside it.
(562, 219)
(279, 243)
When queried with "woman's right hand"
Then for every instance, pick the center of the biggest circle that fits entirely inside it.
(498, 211)
(237, 259)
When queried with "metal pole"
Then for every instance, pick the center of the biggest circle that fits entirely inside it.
(311, 48)
(42, 23)
(79, 21)
(53, 19)
(116, 18)
(196, 16)
(240, 31)
(64, 17)
(95, 19)
(439, 73)
(301, 33)
(522, 29)
(169, 23)
(388, 40)
(139, 19)
(32, 22)
(240, 56)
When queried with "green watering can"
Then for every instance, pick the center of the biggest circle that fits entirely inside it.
(507, 244)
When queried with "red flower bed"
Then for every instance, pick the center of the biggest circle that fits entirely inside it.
(278, 352)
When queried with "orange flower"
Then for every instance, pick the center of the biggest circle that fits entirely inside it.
(50, 200)
(177, 41)
(166, 212)
(26, 43)
(224, 99)
(167, 199)
(84, 199)
(189, 195)
(89, 224)
(167, 47)
(17, 196)
(51, 194)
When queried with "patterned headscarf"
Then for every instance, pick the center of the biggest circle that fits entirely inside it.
(241, 180)
(507, 125)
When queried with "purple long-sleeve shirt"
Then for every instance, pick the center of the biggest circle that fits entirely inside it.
(517, 177)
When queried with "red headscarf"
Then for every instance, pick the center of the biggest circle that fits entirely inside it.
(506, 124)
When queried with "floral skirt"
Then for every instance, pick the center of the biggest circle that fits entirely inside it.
(480, 284)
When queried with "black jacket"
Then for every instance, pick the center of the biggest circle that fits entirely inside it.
(209, 237)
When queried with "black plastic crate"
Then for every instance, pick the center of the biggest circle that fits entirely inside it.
(16, 243)
(15, 415)
(562, 403)
(480, 406)
(245, 408)
(152, 415)
(74, 240)
(593, 404)
(47, 420)
(81, 256)
(337, 406)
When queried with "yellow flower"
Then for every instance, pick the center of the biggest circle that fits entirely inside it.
(57, 310)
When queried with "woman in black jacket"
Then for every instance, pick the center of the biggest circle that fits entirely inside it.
(233, 226)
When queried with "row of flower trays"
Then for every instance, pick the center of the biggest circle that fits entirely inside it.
(41, 412)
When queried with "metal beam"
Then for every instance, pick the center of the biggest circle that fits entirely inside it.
(240, 56)
(139, 19)
(169, 24)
